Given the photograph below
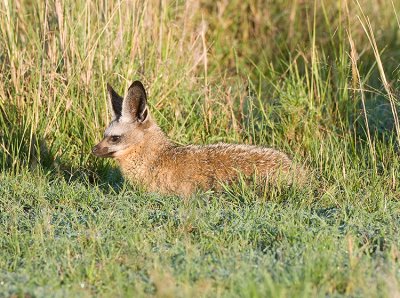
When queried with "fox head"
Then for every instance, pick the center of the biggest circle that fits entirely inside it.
(130, 121)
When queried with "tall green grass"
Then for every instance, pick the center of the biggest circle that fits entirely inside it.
(317, 79)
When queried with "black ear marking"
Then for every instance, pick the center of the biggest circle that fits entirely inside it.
(135, 102)
(115, 102)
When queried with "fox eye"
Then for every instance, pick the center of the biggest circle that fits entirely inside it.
(115, 139)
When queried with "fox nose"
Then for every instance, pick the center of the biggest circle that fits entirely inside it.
(95, 149)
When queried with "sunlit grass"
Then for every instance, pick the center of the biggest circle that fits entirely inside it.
(316, 79)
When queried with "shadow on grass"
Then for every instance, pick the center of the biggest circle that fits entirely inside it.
(22, 150)
(102, 175)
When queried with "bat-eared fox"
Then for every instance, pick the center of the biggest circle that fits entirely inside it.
(148, 158)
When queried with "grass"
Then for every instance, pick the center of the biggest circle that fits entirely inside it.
(316, 79)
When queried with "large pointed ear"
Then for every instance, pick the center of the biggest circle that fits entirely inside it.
(134, 106)
(115, 103)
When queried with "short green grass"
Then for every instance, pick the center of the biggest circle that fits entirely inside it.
(316, 79)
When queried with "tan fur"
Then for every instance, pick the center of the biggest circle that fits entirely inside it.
(157, 164)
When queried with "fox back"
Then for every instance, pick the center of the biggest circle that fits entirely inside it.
(148, 158)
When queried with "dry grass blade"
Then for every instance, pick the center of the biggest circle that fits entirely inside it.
(366, 24)
(358, 81)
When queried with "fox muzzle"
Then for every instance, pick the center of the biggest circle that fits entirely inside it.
(101, 151)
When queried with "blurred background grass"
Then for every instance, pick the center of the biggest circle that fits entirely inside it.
(317, 79)
(268, 72)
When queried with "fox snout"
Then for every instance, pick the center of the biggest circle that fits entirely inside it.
(101, 151)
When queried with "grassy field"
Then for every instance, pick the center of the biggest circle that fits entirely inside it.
(319, 80)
